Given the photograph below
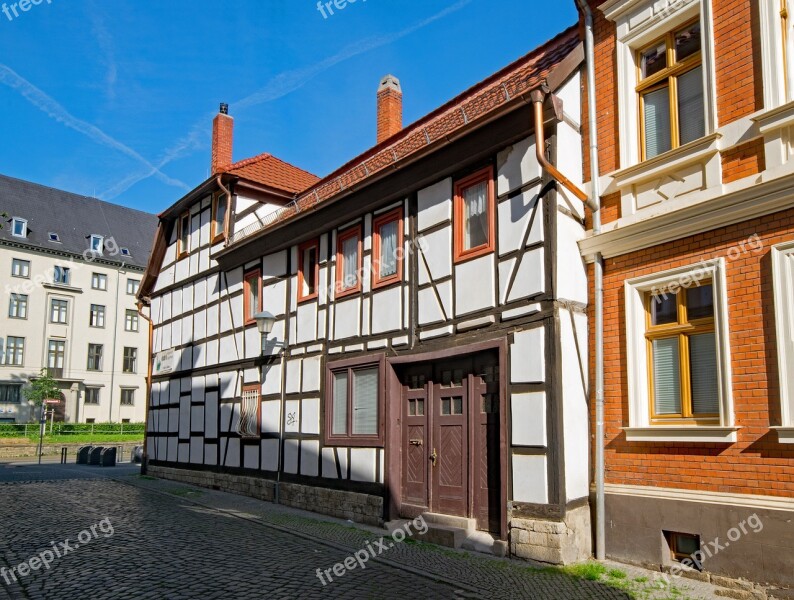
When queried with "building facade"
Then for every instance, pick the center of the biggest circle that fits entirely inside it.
(427, 303)
(70, 268)
(695, 116)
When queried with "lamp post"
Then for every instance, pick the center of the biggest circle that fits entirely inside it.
(264, 323)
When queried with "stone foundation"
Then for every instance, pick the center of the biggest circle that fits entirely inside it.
(552, 541)
(354, 506)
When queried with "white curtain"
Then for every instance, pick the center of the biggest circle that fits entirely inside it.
(388, 249)
(475, 200)
(350, 259)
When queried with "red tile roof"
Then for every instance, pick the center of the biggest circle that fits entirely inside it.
(273, 172)
(518, 78)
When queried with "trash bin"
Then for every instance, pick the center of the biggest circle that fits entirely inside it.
(107, 457)
(82, 455)
(136, 456)
(95, 455)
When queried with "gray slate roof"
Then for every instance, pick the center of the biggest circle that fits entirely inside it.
(74, 218)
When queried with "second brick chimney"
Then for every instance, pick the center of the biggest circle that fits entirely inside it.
(222, 139)
(390, 107)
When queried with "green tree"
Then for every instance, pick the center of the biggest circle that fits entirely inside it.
(42, 388)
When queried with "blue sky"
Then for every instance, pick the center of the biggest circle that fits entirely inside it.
(115, 99)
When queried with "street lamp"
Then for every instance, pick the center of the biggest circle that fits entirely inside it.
(264, 322)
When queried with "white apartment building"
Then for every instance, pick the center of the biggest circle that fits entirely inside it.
(70, 267)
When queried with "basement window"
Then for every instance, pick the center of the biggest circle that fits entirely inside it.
(683, 546)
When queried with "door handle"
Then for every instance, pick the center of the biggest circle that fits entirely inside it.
(434, 457)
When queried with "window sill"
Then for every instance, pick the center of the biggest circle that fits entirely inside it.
(703, 433)
(62, 287)
(785, 435)
(672, 160)
(775, 118)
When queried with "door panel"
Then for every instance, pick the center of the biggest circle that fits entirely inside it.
(487, 418)
(415, 447)
(451, 450)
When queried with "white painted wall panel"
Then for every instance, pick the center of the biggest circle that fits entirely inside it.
(387, 310)
(363, 464)
(230, 452)
(172, 449)
(197, 450)
(271, 379)
(311, 374)
(271, 413)
(527, 356)
(292, 416)
(212, 320)
(475, 285)
(310, 458)
(437, 253)
(253, 342)
(576, 438)
(329, 464)
(527, 281)
(307, 322)
(294, 376)
(211, 415)
(429, 307)
(310, 416)
(515, 216)
(251, 457)
(517, 165)
(530, 481)
(269, 458)
(291, 448)
(210, 454)
(435, 204)
(571, 271)
(528, 416)
(346, 318)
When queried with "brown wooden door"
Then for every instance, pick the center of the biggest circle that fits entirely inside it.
(449, 456)
(486, 426)
(415, 450)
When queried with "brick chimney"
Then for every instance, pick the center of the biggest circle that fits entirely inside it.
(390, 107)
(222, 138)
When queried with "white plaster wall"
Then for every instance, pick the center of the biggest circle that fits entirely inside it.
(435, 204)
(529, 280)
(269, 457)
(475, 285)
(530, 481)
(571, 270)
(517, 165)
(528, 356)
(437, 261)
(347, 318)
(307, 322)
(310, 458)
(387, 310)
(515, 216)
(528, 418)
(575, 412)
(311, 374)
(363, 464)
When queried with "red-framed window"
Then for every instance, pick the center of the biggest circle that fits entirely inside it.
(183, 237)
(354, 411)
(474, 215)
(348, 262)
(387, 248)
(252, 295)
(308, 270)
(220, 206)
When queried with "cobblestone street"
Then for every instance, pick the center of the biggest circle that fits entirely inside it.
(172, 541)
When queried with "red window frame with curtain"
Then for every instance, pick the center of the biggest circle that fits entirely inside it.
(342, 237)
(395, 215)
(248, 310)
(302, 295)
(484, 175)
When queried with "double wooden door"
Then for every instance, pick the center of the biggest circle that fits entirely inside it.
(450, 428)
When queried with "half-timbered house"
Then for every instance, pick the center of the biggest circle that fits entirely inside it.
(425, 315)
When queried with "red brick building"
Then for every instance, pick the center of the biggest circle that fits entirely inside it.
(695, 125)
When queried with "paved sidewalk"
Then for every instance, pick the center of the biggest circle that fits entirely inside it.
(174, 541)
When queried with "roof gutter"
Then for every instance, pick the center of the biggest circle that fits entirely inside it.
(538, 96)
(598, 276)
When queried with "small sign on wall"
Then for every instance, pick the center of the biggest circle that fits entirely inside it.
(164, 362)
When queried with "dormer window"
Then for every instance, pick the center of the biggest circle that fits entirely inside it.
(54, 237)
(125, 252)
(19, 227)
(97, 243)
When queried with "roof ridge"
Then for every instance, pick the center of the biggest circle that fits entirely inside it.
(248, 161)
